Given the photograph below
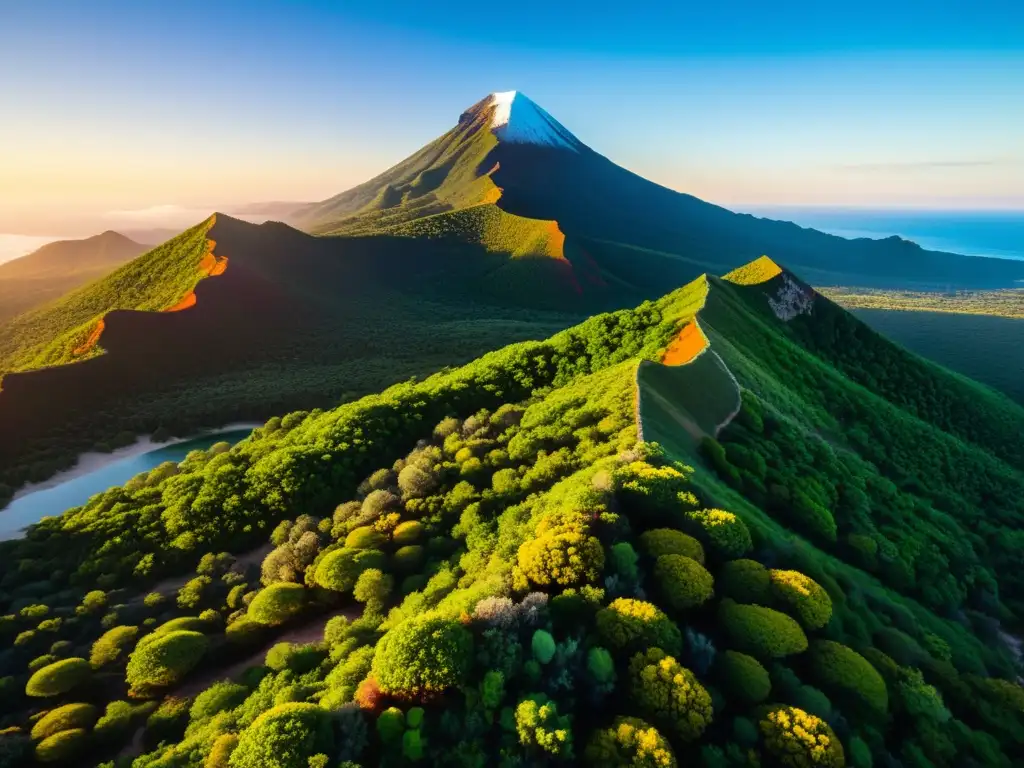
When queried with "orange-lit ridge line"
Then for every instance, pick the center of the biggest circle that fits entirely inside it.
(211, 265)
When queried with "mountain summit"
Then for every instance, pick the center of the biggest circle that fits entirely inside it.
(518, 120)
(510, 177)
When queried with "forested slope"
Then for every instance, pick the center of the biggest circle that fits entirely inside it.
(502, 575)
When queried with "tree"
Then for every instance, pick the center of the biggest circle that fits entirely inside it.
(725, 533)
(58, 677)
(160, 660)
(843, 669)
(669, 694)
(761, 631)
(743, 677)
(277, 603)
(340, 568)
(633, 624)
(629, 743)
(63, 719)
(219, 697)
(684, 582)
(804, 597)
(541, 729)
(668, 541)
(565, 555)
(62, 746)
(800, 740)
(745, 581)
(285, 736)
(373, 587)
(543, 646)
(422, 655)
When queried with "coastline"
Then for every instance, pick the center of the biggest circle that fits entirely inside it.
(92, 461)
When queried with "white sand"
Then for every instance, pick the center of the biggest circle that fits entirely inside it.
(94, 460)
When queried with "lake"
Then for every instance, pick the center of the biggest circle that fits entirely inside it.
(80, 486)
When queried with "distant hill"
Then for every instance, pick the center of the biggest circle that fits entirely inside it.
(60, 267)
(732, 526)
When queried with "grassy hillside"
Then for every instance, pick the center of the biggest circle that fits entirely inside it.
(51, 335)
(487, 567)
(58, 268)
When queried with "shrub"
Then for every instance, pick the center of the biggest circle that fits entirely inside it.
(391, 725)
(365, 537)
(743, 677)
(285, 736)
(41, 661)
(634, 624)
(543, 645)
(409, 558)
(726, 534)
(800, 740)
(422, 655)
(624, 560)
(629, 742)
(62, 746)
(684, 582)
(669, 694)
(842, 668)
(112, 645)
(164, 659)
(761, 631)
(59, 677)
(649, 492)
(220, 753)
(244, 631)
(412, 745)
(277, 603)
(373, 587)
(93, 602)
(812, 518)
(64, 718)
(804, 597)
(600, 665)
(219, 697)
(745, 581)
(116, 721)
(542, 729)
(668, 541)
(904, 649)
(408, 532)
(566, 556)
(339, 568)
(415, 482)
(167, 722)
(187, 623)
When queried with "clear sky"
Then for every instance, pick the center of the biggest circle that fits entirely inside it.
(148, 110)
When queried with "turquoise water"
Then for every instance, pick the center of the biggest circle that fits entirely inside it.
(998, 234)
(74, 492)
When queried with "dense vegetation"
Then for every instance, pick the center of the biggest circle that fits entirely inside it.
(487, 568)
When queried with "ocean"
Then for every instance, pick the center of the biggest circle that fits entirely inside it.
(998, 234)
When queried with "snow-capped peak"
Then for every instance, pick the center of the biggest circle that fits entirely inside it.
(517, 120)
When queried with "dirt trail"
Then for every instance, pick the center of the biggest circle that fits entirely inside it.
(310, 632)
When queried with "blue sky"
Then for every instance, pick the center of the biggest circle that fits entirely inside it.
(120, 107)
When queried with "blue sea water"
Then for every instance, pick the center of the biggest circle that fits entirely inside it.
(998, 234)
